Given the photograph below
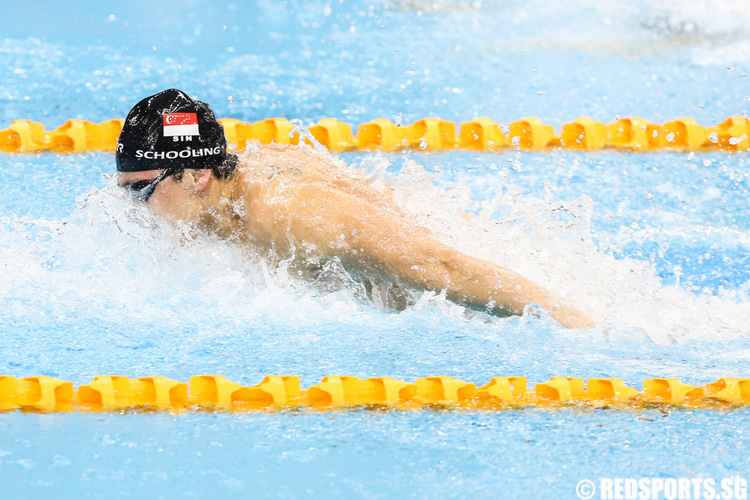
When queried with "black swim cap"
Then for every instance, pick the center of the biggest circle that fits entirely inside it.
(169, 130)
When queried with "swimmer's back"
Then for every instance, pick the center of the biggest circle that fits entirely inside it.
(291, 171)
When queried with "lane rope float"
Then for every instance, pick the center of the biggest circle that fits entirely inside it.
(428, 134)
(279, 392)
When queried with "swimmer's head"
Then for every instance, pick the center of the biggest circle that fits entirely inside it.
(171, 131)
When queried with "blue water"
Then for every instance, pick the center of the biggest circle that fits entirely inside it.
(361, 454)
(656, 244)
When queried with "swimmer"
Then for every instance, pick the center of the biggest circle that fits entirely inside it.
(305, 206)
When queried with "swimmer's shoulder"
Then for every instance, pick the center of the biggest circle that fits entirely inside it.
(265, 162)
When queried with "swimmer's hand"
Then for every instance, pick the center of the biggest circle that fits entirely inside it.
(571, 317)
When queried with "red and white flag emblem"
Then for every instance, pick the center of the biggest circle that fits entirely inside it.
(180, 124)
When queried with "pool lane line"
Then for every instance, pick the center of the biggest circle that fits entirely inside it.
(278, 392)
(630, 134)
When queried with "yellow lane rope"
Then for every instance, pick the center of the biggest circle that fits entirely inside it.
(428, 134)
(277, 392)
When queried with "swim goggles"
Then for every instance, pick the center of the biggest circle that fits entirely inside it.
(142, 190)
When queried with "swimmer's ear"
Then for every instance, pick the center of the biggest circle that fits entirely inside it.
(201, 179)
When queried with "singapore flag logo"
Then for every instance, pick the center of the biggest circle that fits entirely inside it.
(185, 124)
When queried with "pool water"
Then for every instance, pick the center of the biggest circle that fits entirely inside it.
(655, 243)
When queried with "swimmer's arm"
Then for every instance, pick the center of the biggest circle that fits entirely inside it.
(385, 242)
(480, 283)
(472, 281)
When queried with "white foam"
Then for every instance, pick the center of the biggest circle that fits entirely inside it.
(713, 31)
(551, 242)
(111, 257)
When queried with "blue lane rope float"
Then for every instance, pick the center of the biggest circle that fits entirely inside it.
(278, 392)
(428, 134)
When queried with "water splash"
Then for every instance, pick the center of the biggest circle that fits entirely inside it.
(552, 243)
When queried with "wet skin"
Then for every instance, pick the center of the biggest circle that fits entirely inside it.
(299, 203)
